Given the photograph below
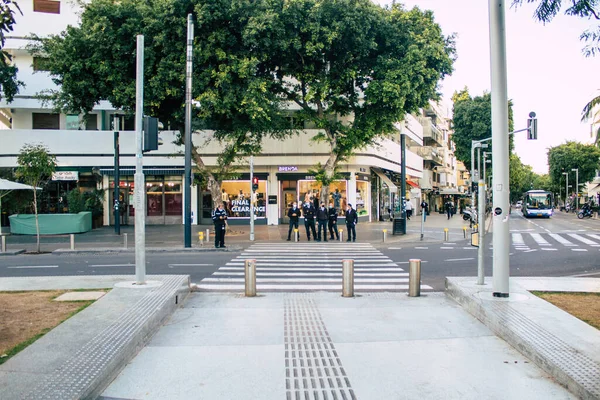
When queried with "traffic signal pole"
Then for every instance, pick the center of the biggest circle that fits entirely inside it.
(251, 199)
(187, 187)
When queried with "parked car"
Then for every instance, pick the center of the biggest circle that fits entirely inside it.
(519, 204)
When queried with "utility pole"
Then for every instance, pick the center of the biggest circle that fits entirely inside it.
(403, 180)
(576, 188)
(187, 194)
(140, 184)
(500, 153)
(566, 189)
(251, 199)
(117, 176)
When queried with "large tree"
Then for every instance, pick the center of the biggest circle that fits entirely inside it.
(96, 61)
(352, 68)
(9, 84)
(472, 120)
(565, 157)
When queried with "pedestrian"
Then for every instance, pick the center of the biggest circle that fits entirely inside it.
(448, 209)
(308, 211)
(219, 217)
(293, 215)
(322, 219)
(351, 220)
(452, 208)
(424, 209)
(333, 229)
(408, 209)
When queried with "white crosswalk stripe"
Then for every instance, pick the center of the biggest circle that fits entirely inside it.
(539, 239)
(581, 238)
(310, 267)
(548, 241)
(561, 239)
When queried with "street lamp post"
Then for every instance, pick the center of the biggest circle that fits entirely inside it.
(576, 188)
(566, 189)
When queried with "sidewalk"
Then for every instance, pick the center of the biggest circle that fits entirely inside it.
(170, 237)
(308, 345)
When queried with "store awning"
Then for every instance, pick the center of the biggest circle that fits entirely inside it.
(594, 190)
(413, 184)
(147, 171)
(450, 191)
(393, 188)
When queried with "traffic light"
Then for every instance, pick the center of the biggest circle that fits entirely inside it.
(255, 183)
(532, 126)
(150, 128)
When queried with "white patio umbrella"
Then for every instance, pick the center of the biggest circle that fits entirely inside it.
(7, 186)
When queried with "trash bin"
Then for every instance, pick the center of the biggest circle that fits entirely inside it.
(399, 227)
(4, 219)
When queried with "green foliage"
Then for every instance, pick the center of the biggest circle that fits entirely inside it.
(36, 164)
(565, 157)
(9, 84)
(75, 201)
(473, 121)
(522, 178)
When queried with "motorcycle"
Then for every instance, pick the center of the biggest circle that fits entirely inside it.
(585, 213)
(470, 215)
(567, 207)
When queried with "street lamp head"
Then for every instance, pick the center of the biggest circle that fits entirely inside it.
(532, 114)
(575, 169)
(484, 146)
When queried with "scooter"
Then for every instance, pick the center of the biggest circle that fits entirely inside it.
(584, 213)
(467, 214)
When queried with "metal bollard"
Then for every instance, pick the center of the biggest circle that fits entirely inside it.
(446, 234)
(384, 235)
(201, 238)
(296, 234)
(464, 232)
(3, 244)
(341, 235)
(595, 215)
(207, 235)
(250, 275)
(414, 278)
(347, 278)
(72, 237)
(124, 240)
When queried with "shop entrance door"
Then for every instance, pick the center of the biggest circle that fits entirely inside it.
(124, 197)
(207, 209)
(287, 199)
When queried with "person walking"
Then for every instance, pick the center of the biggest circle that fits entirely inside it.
(293, 215)
(322, 218)
(333, 229)
(408, 209)
(219, 217)
(308, 211)
(448, 209)
(424, 209)
(351, 220)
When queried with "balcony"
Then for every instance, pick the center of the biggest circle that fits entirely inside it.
(431, 134)
(429, 154)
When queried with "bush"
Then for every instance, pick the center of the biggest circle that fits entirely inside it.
(75, 201)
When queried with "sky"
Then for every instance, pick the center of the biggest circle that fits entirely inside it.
(547, 71)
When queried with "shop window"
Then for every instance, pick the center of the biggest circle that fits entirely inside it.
(173, 198)
(362, 198)
(311, 191)
(154, 199)
(236, 199)
(45, 121)
(285, 185)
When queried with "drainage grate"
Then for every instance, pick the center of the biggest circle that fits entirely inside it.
(313, 369)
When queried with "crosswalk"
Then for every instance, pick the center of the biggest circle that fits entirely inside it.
(578, 242)
(310, 267)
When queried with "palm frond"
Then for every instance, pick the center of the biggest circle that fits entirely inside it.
(588, 110)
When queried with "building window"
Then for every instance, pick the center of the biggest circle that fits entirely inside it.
(91, 122)
(173, 198)
(46, 6)
(45, 121)
(311, 191)
(40, 64)
(236, 199)
(72, 122)
(362, 198)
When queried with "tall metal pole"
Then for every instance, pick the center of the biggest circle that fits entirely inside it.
(251, 199)
(403, 179)
(481, 229)
(117, 177)
(140, 184)
(473, 174)
(566, 188)
(576, 188)
(500, 154)
(187, 194)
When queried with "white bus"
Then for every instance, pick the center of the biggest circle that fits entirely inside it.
(537, 203)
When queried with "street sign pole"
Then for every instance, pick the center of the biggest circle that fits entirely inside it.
(187, 187)
(140, 184)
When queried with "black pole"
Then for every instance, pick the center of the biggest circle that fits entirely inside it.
(403, 180)
(117, 189)
(187, 189)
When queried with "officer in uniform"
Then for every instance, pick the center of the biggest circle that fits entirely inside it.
(333, 229)
(351, 220)
(293, 215)
(219, 217)
(308, 210)
(322, 218)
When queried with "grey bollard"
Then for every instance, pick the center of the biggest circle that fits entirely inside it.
(296, 235)
(3, 244)
(207, 235)
(446, 235)
(384, 235)
(124, 240)
(347, 278)
(414, 278)
(250, 274)
(341, 235)
(72, 237)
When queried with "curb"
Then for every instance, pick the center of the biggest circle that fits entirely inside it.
(95, 362)
(148, 250)
(555, 356)
(12, 252)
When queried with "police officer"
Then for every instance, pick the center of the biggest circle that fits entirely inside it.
(333, 229)
(293, 215)
(219, 217)
(322, 218)
(308, 211)
(351, 220)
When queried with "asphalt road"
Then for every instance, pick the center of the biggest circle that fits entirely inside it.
(559, 246)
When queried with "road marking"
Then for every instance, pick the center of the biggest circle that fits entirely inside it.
(449, 244)
(469, 248)
(447, 248)
(588, 274)
(306, 280)
(597, 237)
(394, 248)
(517, 239)
(530, 251)
(549, 249)
(539, 239)
(259, 268)
(190, 265)
(421, 248)
(261, 286)
(578, 249)
(111, 265)
(34, 266)
(459, 259)
(315, 273)
(316, 264)
(561, 240)
(581, 238)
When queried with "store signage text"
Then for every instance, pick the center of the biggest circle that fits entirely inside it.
(244, 206)
(65, 176)
(283, 168)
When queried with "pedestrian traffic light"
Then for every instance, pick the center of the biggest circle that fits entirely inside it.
(150, 128)
(532, 126)
(255, 183)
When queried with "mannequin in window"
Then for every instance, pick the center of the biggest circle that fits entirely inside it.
(336, 198)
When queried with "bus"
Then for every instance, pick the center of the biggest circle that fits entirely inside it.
(537, 203)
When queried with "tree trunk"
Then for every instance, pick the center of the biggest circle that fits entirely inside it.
(329, 169)
(214, 187)
(37, 222)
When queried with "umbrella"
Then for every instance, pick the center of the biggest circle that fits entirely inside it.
(8, 186)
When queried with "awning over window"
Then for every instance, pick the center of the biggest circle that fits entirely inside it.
(393, 188)
(147, 171)
(413, 184)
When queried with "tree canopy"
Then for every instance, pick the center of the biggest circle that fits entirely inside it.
(565, 157)
(9, 84)
(472, 120)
